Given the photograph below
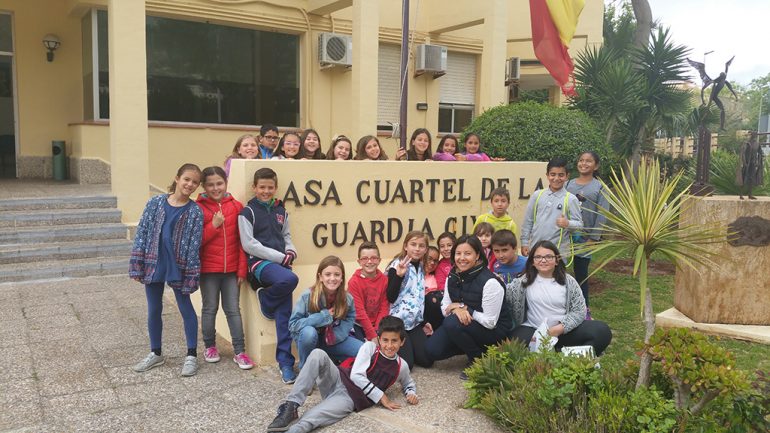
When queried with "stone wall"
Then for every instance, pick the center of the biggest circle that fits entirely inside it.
(737, 290)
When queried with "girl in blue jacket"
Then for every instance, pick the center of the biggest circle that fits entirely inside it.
(324, 315)
(167, 251)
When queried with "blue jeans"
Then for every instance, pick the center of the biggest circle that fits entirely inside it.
(279, 283)
(154, 293)
(308, 339)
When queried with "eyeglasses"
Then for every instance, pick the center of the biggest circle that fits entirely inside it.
(547, 258)
(431, 260)
(270, 137)
(368, 259)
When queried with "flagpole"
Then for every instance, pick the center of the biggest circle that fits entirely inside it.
(404, 66)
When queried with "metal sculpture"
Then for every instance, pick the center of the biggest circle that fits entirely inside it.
(718, 83)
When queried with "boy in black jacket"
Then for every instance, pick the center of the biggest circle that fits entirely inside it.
(265, 237)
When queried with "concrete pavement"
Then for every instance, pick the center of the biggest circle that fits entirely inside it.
(68, 346)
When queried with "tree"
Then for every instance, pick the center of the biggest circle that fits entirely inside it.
(642, 220)
(633, 92)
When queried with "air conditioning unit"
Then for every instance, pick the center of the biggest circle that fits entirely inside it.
(335, 50)
(512, 70)
(430, 59)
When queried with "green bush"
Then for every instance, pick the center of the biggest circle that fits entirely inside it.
(695, 389)
(529, 131)
(484, 374)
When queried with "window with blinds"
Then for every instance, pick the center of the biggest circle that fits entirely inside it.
(388, 88)
(457, 94)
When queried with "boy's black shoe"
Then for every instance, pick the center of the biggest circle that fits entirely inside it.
(287, 414)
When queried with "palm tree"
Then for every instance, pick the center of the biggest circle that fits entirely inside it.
(633, 91)
(642, 220)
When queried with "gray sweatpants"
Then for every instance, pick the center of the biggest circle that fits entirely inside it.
(212, 286)
(335, 404)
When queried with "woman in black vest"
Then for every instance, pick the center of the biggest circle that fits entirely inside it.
(474, 306)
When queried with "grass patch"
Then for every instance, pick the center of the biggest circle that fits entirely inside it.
(617, 303)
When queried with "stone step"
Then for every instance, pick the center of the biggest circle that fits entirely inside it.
(75, 268)
(65, 202)
(49, 217)
(64, 251)
(66, 233)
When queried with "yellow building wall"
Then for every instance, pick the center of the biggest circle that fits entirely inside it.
(49, 94)
(329, 204)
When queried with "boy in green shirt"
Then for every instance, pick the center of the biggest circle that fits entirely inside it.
(498, 216)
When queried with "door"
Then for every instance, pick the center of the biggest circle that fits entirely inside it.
(7, 103)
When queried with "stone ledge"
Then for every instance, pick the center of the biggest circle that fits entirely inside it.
(673, 318)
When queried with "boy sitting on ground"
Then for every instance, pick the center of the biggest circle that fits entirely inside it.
(351, 386)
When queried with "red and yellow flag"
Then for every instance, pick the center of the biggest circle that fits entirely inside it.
(553, 25)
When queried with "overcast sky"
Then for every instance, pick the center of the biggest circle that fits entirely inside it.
(738, 27)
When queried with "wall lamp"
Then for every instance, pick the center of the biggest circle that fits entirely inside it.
(51, 43)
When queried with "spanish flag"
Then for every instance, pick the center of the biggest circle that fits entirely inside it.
(553, 25)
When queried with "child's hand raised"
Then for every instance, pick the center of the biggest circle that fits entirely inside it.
(402, 267)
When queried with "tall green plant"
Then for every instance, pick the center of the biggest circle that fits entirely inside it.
(642, 220)
(633, 91)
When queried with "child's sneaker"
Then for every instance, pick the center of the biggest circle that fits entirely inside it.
(150, 361)
(262, 305)
(287, 414)
(190, 366)
(243, 361)
(288, 376)
(211, 354)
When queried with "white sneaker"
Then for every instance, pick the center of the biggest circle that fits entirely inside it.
(150, 361)
(190, 366)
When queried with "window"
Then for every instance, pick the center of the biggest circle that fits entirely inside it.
(453, 118)
(457, 95)
(388, 86)
(209, 73)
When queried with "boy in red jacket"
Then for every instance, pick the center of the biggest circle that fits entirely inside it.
(368, 285)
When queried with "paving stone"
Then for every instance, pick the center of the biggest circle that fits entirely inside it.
(75, 346)
(154, 391)
(106, 335)
(21, 405)
(48, 322)
(121, 356)
(70, 382)
(14, 333)
(33, 298)
(61, 408)
(17, 364)
(11, 313)
(83, 364)
(94, 317)
(55, 333)
(84, 304)
(47, 310)
(124, 375)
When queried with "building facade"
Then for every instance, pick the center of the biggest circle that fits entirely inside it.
(136, 88)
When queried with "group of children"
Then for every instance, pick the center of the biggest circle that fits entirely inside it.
(307, 145)
(428, 303)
